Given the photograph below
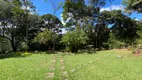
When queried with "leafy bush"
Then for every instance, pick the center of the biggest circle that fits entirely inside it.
(5, 46)
(44, 37)
(48, 38)
(113, 42)
(74, 40)
(23, 46)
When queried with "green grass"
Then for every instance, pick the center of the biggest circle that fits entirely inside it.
(32, 67)
(105, 66)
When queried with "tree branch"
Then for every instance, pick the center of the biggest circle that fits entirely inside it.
(5, 37)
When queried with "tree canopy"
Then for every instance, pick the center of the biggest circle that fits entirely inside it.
(133, 5)
(85, 25)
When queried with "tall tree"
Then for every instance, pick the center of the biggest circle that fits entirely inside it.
(95, 6)
(28, 8)
(121, 25)
(74, 12)
(53, 24)
(11, 16)
(13, 25)
(34, 26)
(56, 28)
(86, 16)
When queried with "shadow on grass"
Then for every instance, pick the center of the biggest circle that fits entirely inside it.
(78, 53)
(24, 54)
(15, 55)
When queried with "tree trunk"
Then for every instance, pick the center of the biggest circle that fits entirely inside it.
(14, 45)
(14, 48)
(74, 50)
(96, 42)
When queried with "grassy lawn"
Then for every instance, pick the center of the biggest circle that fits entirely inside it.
(32, 67)
(106, 65)
(103, 65)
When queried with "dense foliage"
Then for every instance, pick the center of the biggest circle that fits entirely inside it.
(75, 40)
(133, 5)
(21, 28)
(114, 43)
(139, 33)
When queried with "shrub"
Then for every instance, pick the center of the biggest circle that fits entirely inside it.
(74, 40)
(113, 42)
(5, 46)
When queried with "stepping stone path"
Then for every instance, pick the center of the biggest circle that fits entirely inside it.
(50, 75)
(64, 73)
(52, 69)
(63, 70)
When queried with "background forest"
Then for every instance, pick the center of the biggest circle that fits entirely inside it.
(86, 27)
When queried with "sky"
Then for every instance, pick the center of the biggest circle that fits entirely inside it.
(46, 8)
